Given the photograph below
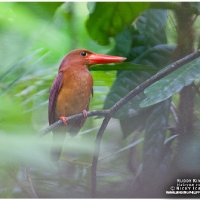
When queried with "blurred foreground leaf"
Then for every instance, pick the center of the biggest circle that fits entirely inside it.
(12, 118)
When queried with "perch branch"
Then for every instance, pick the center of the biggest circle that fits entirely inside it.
(71, 118)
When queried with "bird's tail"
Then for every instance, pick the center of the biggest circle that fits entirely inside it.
(57, 143)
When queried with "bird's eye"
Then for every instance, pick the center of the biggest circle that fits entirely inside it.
(83, 53)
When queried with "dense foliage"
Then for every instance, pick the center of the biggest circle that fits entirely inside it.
(149, 143)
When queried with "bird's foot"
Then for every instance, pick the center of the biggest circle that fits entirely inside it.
(84, 113)
(64, 120)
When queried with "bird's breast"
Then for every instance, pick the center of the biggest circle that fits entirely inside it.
(75, 93)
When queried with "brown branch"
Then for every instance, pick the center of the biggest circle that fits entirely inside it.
(96, 154)
(110, 112)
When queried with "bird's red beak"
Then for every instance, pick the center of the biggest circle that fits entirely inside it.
(103, 59)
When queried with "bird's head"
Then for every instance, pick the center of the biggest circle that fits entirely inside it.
(85, 58)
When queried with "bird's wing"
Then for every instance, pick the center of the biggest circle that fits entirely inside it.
(57, 84)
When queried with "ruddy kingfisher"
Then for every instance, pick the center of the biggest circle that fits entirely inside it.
(70, 93)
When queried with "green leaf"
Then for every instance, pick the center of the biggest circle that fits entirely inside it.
(132, 115)
(122, 66)
(123, 149)
(12, 119)
(128, 80)
(148, 47)
(150, 22)
(130, 124)
(124, 41)
(108, 19)
(172, 84)
(14, 82)
(18, 64)
(45, 10)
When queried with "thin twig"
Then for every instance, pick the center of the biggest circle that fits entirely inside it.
(28, 175)
(20, 184)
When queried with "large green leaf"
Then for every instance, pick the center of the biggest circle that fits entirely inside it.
(149, 23)
(108, 18)
(148, 48)
(132, 115)
(172, 84)
(128, 80)
(126, 37)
